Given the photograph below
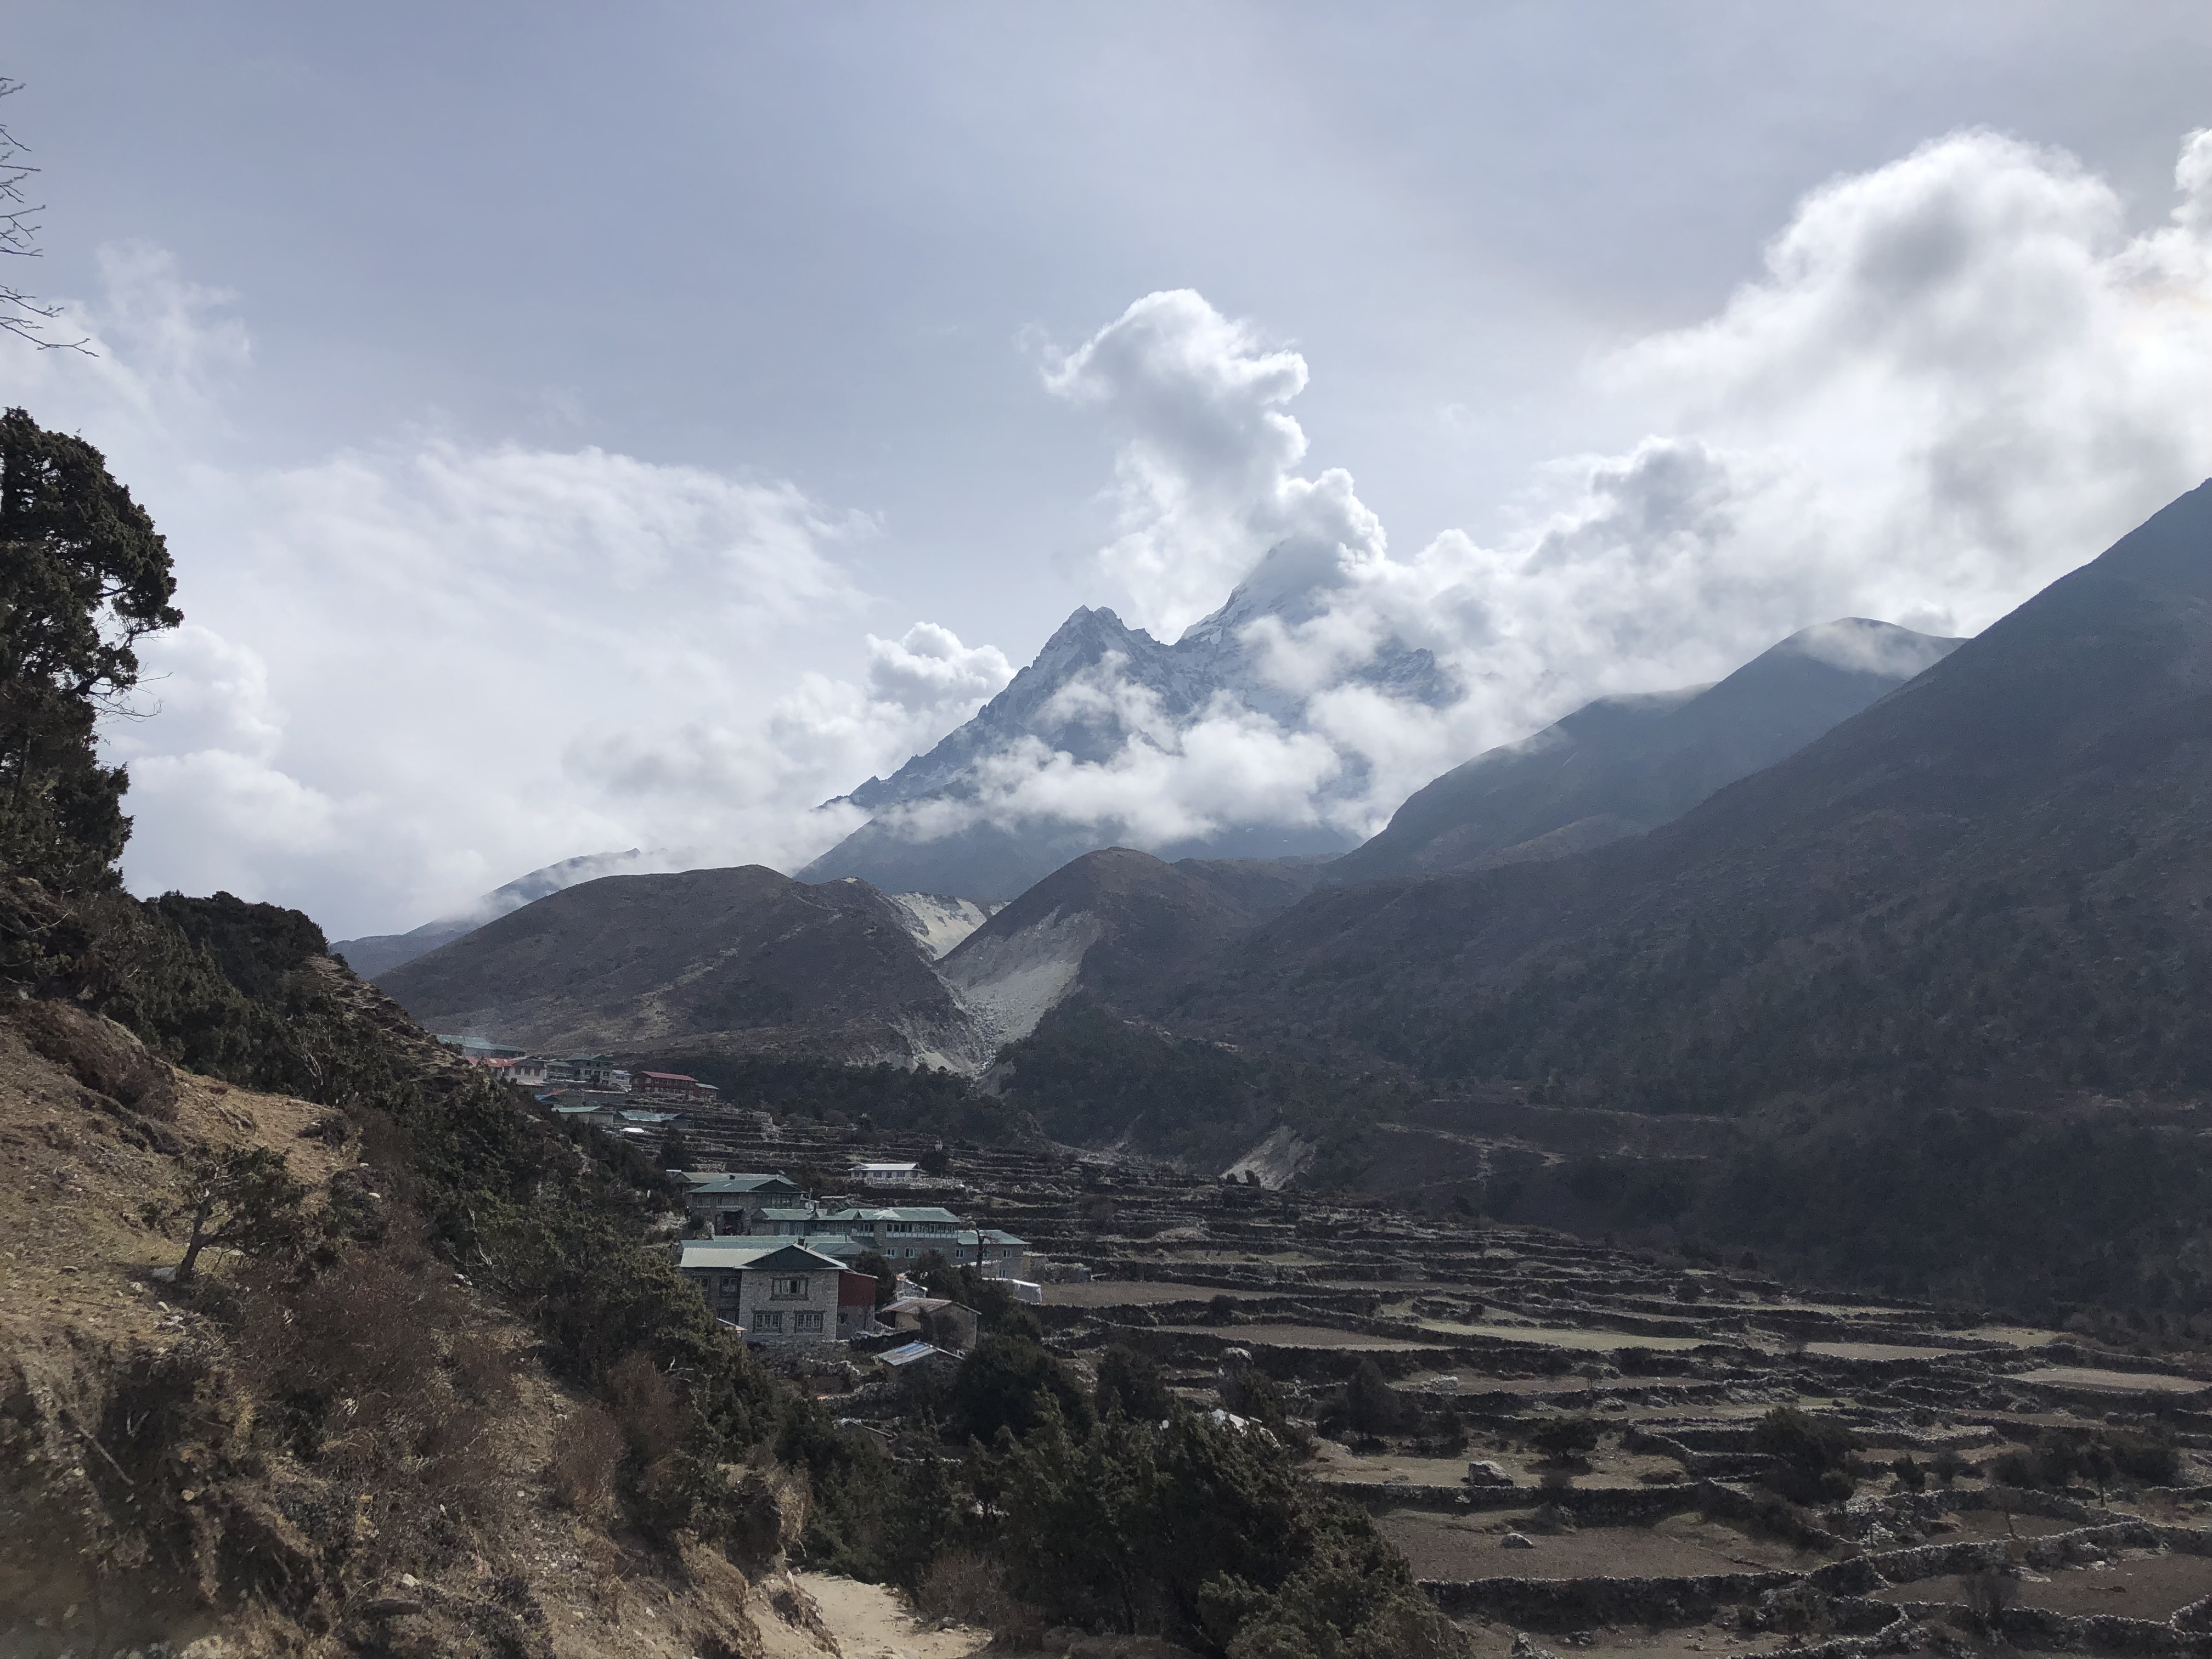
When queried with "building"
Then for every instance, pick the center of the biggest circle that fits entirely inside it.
(920, 1366)
(672, 1087)
(936, 1319)
(606, 1109)
(997, 1254)
(586, 1072)
(778, 1290)
(856, 1304)
(902, 1236)
(478, 1048)
(885, 1175)
(729, 1203)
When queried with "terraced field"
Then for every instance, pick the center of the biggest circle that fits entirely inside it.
(1666, 1535)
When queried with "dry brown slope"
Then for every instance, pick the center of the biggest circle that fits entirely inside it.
(143, 1497)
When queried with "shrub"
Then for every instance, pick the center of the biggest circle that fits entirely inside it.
(2065, 1457)
(1947, 1466)
(1130, 1383)
(1909, 1476)
(1009, 1382)
(1988, 1595)
(1812, 1456)
(235, 1198)
(588, 1448)
(967, 1587)
(1371, 1404)
(1562, 1439)
(653, 1421)
(1204, 1535)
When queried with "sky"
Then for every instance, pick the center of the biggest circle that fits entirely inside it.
(581, 427)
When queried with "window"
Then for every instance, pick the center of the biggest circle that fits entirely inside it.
(793, 1289)
(802, 1322)
(765, 1321)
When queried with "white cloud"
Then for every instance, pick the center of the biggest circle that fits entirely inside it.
(408, 664)
(1204, 479)
(1956, 377)
(929, 673)
(418, 667)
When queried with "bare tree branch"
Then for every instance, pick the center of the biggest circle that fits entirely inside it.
(22, 314)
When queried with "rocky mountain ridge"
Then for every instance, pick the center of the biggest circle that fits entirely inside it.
(1073, 701)
(1625, 764)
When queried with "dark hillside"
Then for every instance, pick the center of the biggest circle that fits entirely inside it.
(1994, 878)
(1625, 765)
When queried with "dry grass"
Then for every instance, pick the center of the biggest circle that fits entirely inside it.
(967, 1588)
(585, 1459)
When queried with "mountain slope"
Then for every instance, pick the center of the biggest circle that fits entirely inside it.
(1622, 765)
(743, 959)
(1997, 878)
(379, 953)
(1110, 922)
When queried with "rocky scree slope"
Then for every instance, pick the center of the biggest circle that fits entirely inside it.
(1105, 921)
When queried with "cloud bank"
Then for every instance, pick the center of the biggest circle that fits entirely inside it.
(416, 668)
(413, 670)
(1954, 377)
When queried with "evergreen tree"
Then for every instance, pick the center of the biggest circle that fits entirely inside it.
(83, 577)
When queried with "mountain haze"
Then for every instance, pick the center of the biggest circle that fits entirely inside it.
(379, 953)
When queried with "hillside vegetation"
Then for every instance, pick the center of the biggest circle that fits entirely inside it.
(321, 1341)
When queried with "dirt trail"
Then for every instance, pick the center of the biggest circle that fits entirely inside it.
(872, 1622)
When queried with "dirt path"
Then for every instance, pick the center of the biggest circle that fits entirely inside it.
(872, 1622)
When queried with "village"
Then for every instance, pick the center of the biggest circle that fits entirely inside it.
(789, 1268)
(1563, 1436)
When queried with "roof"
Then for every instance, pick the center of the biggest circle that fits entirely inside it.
(717, 1182)
(993, 1236)
(886, 1166)
(666, 1077)
(750, 1255)
(911, 1352)
(917, 1305)
(633, 1116)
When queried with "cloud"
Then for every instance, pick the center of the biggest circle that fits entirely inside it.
(416, 668)
(929, 673)
(1204, 479)
(1956, 377)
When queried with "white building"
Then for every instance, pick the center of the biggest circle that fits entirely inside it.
(779, 1291)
